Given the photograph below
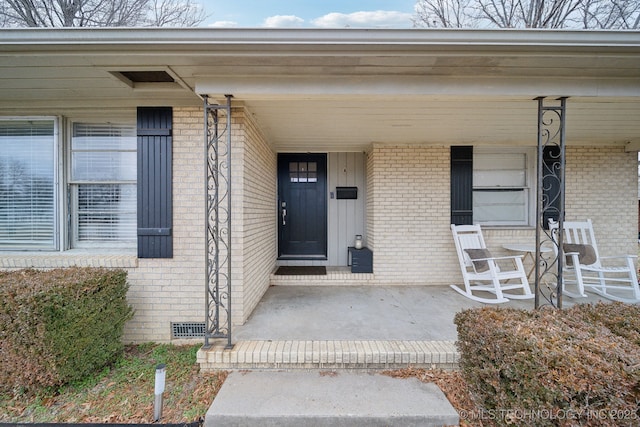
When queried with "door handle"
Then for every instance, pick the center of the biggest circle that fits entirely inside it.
(283, 212)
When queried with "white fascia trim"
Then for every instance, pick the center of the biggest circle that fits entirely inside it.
(162, 38)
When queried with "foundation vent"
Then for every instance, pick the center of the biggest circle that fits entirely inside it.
(187, 329)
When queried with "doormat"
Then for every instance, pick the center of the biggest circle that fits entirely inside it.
(287, 270)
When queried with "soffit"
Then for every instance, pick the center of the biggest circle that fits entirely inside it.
(342, 89)
(353, 124)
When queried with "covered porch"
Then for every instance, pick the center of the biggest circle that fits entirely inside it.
(350, 327)
(402, 106)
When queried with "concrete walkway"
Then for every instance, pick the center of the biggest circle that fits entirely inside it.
(332, 399)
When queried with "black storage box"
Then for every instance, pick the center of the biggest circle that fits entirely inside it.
(361, 260)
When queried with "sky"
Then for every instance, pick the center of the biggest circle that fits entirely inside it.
(309, 13)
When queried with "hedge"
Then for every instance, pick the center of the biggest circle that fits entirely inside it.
(59, 326)
(579, 366)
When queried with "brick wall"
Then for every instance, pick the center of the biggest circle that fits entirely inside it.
(371, 196)
(409, 214)
(257, 230)
(601, 184)
(166, 290)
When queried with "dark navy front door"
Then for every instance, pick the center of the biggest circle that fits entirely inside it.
(302, 206)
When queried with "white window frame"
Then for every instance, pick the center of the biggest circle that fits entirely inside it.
(529, 186)
(72, 191)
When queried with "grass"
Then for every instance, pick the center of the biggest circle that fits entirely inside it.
(123, 393)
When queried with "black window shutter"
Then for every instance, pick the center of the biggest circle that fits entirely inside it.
(461, 185)
(155, 211)
(550, 184)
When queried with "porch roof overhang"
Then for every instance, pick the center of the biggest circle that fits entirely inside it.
(341, 90)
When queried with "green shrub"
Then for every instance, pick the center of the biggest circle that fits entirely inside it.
(59, 326)
(579, 366)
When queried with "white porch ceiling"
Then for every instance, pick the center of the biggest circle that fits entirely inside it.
(353, 124)
(324, 90)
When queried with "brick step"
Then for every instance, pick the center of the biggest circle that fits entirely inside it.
(328, 354)
(339, 276)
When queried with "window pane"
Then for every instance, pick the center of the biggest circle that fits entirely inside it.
(501, 194)
(110, 137)
(27, 192)
(293, 171)
(107, 212)
(104, 209)
(103, 152)
(500, 206)
(303, 172)
(103, 166)
(499, 170)
(499, 178)
(312, 175)
(489, 161)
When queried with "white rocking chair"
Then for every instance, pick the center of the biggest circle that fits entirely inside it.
(482, 272)
(583, 267)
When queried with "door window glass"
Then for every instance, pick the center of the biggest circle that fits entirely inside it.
(303, 172)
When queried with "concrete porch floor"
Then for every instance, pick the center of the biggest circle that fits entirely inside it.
(345, 327)
(355, 313)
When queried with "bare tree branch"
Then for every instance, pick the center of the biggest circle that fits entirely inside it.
(100, 13)
(176, 13)
(594, 14)
(499, 13)
(442, 14)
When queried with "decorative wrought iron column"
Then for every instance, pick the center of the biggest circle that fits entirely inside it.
(217, 119)
(550, 201)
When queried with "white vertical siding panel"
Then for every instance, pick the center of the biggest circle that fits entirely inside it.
(332, 209)
(346, 217)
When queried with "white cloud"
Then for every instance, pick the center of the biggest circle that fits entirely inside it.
(283, 21)
(224, 24)
(366, 19)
